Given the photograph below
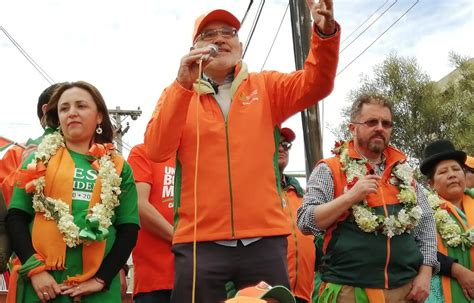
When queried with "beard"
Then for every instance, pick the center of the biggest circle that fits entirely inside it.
(376, 146)
(376, 143)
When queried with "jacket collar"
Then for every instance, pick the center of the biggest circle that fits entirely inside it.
(204, 87)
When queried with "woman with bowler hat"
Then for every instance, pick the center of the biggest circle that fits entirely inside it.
(454, 215)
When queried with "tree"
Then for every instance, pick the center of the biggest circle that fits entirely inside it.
(423, 110)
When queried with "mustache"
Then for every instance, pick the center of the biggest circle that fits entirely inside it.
(378, 135)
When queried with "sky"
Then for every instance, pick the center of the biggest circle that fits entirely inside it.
(130, 50)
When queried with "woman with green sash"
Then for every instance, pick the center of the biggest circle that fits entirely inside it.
(73, 218)
(454, 215)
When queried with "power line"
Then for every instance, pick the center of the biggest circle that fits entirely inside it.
(274, 38)
(247, 11)
(370, 25)
(383, 33)
(254, 25)
(28, 57)
(360, 25)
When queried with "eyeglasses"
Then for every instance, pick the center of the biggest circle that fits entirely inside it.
(286, 145)
(375, 122)
(209, 35)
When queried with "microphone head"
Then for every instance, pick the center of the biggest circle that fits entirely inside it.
(214, 50)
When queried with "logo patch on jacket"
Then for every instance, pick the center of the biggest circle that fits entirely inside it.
(251, 98)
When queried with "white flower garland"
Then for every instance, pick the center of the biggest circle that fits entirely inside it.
(402, 177)
(57, 210)
(447, 228)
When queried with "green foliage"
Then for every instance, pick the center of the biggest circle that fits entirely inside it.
(423, 110)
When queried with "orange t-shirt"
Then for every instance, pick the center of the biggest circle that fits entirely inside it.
(153, 261)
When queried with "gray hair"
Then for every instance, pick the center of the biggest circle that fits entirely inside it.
(368, 99)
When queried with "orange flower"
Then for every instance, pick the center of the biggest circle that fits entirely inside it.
(25, 177)
(99, 150)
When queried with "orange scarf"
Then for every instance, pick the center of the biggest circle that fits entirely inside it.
(47, 240)
(468, 206)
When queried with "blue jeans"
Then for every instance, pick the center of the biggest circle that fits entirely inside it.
(157, 296)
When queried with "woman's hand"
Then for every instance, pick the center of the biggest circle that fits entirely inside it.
(45, 286)
(82, 289)
(465, 278)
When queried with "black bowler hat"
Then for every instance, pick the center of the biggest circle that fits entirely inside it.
(438, 151)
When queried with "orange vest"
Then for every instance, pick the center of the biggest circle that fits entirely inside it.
(387, 193)
(301, 251)
(394, 261)
(236, 172)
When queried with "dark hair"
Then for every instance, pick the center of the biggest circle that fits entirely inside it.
(45, 97)
(52, 118)
(368, 99)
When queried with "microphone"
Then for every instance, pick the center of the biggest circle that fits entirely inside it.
(214, 49)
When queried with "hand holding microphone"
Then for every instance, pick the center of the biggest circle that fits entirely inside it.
(213, 50)
(189, 68)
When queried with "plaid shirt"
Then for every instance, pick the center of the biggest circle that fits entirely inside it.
(320, 190)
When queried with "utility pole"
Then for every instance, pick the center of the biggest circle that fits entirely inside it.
(301, 25)
(118, 116)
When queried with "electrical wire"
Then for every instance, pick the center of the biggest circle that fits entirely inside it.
(276, 35)
(383, 33)
(126, 146)
(360, 25)
(370, 25)
(246, 12)
(28, 57)
(254, 25)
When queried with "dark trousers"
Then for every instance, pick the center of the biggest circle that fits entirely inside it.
(263, 260)
(157, 296)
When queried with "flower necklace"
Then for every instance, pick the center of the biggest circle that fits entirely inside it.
(446, 226)
(365, 217)
(57, 210)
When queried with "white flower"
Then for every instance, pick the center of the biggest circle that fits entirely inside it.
(447, 228)
(402, 177)
(57, 210)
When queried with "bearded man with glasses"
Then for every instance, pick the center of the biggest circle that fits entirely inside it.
(379, 230)
(221, 122)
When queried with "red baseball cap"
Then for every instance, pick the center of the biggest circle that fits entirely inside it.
(215, 15)
(288, 134)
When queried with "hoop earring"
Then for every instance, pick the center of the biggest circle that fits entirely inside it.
(98, 130)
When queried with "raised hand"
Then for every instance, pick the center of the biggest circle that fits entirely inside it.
(322, 12)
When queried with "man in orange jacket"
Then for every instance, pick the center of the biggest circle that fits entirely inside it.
(223, 129)
(301, 249)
